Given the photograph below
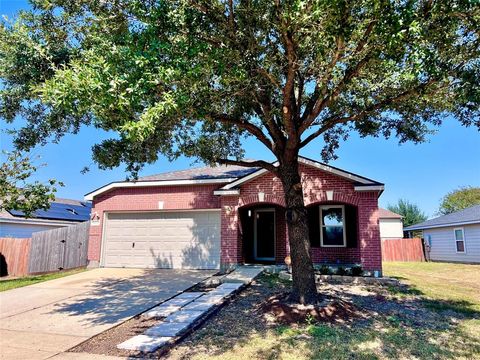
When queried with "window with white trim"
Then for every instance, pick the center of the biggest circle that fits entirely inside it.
(332, 226)
(459, 240)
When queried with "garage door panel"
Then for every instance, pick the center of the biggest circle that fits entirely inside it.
(188, 240)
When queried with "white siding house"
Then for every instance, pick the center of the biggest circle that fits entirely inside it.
(391, 224)
(454, 237)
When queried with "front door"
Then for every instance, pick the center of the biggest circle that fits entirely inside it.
(264, 234)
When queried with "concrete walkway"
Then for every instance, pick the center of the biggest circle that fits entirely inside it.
(185, 310)
(45, 319)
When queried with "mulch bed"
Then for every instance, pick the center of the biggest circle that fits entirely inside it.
(279, 310)
(106, 342)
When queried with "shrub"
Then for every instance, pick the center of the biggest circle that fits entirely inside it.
(356, 271)
(325, 270)
(342, 271)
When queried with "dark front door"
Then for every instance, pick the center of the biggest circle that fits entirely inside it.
(264, 234)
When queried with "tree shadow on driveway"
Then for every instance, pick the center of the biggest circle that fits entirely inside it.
(111, 300)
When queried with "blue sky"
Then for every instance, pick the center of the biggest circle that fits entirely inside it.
(420, 173)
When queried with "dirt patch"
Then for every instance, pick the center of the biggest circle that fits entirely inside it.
(277, 309)
(106, 342)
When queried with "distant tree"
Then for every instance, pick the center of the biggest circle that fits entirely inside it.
(411, 213)
(459, 199)
(16, 192)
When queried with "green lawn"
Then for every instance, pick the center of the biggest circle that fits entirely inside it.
(456, 285)
(436, 317)
(30, 280)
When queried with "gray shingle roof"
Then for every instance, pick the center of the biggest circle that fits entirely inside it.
(205, 172)
(468, 215)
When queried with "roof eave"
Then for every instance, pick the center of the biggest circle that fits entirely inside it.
(413, 228)
(129, 184)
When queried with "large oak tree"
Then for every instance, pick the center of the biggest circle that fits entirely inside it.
(196, 77)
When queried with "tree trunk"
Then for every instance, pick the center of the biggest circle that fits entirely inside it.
(304, 289)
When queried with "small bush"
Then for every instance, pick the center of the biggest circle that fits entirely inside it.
(356, 271)
(325, 270)
(342, 271)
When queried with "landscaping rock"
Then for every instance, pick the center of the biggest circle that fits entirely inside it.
(345, 279)
(168, 329)
(144, 343)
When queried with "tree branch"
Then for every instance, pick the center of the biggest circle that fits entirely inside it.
(245, 125)
(257, 163)
(265, 115)
(315, 106)
(331, 122)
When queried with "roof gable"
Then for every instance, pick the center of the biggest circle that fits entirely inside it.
(359, 181)
(387, 214)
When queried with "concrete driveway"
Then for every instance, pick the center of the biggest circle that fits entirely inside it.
(39, 321)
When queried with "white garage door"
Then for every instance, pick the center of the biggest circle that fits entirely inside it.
(179, 240)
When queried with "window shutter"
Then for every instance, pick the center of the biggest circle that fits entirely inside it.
(314, 225)
(351, 217)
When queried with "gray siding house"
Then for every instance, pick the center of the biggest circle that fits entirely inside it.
(454, 237)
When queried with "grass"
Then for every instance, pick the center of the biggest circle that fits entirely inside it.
(437, 317)
(443, 285)
(30, 280)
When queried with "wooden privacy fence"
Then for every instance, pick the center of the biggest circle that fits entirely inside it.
(59, 249)
(402, 250)
(14, 256)
(46, 251)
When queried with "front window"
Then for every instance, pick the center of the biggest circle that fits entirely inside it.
(332, 226)
(459, 240)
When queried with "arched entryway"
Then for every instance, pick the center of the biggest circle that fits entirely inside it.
(263, 231)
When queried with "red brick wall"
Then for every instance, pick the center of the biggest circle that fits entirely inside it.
(147, 198)
(315, 184)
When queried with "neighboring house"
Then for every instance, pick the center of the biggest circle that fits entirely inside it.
(62, 212)
(391, 224)
(223, 216)
(454, 237)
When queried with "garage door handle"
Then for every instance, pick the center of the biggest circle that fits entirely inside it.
(133, 245)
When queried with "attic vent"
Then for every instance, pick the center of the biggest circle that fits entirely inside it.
(72, 211)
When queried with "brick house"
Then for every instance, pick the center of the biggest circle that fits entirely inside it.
(218, 217)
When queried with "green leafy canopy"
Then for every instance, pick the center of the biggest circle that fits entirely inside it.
(196, 77)
(17, 192)
(459, 199)
(411, 212)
